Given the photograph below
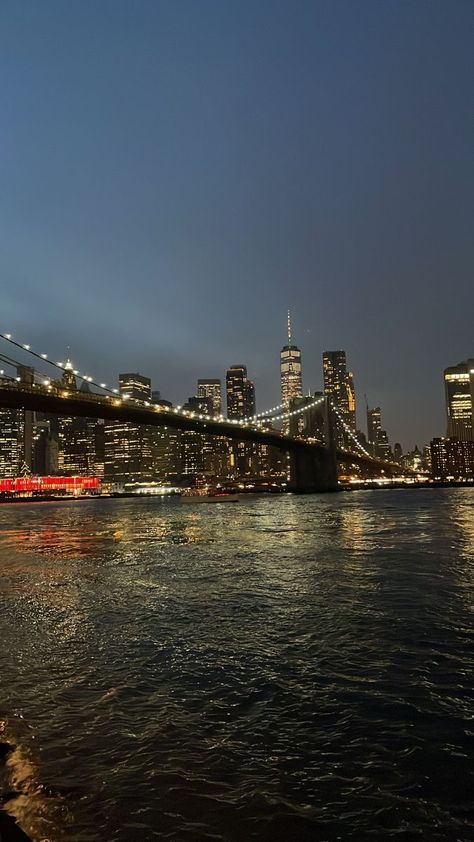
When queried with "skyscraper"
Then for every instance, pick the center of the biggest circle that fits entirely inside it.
(211, 388)
(77, 443)
(339, 386)
(11, 436)
(378, 439)
(290, 369)
(240, 392)
(459, 390)
(240, 404)
(129, 447)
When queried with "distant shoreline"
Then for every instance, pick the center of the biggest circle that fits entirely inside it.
(251, 492)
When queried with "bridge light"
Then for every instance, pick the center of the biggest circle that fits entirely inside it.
(115, 391)
(18, 379)
(7, 335)
(27, 347)
(46, 382)
(45, 356)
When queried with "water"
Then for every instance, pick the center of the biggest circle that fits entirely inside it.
(286, 668)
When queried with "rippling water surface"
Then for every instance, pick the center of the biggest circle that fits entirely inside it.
(286, 668)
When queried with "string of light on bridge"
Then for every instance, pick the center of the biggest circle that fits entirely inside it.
(285, 415)
(349, 432)
(259, 419)
(64, 368)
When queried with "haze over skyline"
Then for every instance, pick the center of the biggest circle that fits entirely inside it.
(175, 176)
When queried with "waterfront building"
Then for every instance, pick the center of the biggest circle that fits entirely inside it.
(459, 392)
(452, 459)
(195, 450)
(26, 375)
(128, 452)
(210, 387)
(11, 435)
(80, 443)
(290, 369)
(129, 448)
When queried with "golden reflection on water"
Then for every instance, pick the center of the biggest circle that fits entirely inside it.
(77, 537)
(462, 516)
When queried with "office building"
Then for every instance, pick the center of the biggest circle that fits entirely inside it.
(129, 448)
(135, 386)
(211, 388)
(290, 369)
(128, 452)
(240, 392)
(77, 443)
(459, 391)
(452, 459)
(240, 404)
(377, 437)
(11, 437)
(339, 387)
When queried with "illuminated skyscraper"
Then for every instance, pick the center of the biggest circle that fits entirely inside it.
(129, 447)
(459, 389)
(290, 369)
(77, 442)
(240, 393)
(211, 388)
(339, 386)
(11, 435)
(377, 438)
(240, 404)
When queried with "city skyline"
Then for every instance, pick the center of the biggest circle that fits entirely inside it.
(182, 192)
(347, 401)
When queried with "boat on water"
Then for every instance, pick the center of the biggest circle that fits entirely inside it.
(218, 497)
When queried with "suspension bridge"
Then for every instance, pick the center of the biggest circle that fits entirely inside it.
(314, 465)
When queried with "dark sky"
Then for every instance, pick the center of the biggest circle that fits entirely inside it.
(175, 175)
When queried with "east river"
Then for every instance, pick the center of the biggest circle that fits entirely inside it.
(281, 669)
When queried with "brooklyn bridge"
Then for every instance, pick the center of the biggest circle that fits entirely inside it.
(313, 465)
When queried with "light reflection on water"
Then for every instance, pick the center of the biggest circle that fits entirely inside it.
(286, 668)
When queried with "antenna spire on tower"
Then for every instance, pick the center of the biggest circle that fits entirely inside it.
(289, 328)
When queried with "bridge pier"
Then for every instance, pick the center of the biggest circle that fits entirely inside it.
(312, 470)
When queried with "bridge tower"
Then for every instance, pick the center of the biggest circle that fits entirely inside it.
(313, 470)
